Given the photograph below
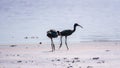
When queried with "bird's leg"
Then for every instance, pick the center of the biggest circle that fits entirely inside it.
(61, 42)
(53, 47)
(66, 42)
(52, 44)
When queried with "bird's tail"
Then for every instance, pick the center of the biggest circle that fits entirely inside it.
(58, 32)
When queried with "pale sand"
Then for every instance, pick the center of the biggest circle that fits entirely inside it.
(80, 55)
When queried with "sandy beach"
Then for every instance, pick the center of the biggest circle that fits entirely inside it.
(80, 55)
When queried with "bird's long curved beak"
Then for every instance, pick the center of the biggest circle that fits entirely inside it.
(80, 26)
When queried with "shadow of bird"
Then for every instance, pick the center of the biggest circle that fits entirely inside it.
(67, 33)
(52, 34)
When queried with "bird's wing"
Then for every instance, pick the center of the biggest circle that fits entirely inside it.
(66, 32)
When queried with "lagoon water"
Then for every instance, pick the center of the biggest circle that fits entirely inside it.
(32, 19)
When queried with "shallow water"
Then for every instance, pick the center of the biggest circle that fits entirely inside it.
(32, 19)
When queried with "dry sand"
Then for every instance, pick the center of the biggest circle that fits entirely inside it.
(80, 55)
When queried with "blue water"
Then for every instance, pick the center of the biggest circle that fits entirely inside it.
(75, 38)
(33, 18)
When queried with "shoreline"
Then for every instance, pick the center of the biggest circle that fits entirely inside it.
(93, 41)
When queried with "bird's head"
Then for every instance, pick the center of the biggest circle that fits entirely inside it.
(76, 24)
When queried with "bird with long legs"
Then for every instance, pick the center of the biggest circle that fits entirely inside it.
(52, 34)
(67, 33)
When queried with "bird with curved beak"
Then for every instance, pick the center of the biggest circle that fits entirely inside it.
(67, 33)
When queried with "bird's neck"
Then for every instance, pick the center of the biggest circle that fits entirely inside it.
(74, 29)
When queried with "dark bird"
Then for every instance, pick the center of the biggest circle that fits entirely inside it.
(67, 33)
(52, 34)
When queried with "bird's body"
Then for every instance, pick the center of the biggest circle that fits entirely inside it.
(52, 34)
(67, 33)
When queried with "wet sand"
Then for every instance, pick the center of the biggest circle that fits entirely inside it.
(80, 55)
